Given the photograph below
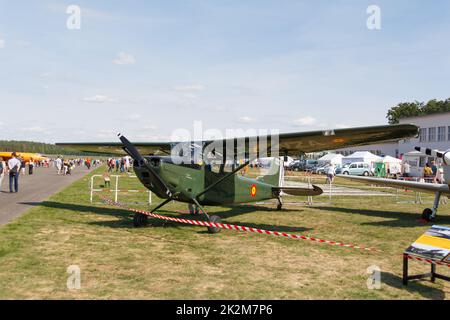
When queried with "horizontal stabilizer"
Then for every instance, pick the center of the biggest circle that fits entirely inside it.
(296, 191)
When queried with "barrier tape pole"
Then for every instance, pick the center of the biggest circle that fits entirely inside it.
(238, 228)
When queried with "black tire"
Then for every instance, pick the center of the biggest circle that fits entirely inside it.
(346, 173)
(279, 206)
(365, 174)
(140, 220)
(427, 214)
(213, 230)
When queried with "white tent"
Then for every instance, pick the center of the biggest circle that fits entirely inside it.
(393, 165)
(389, 159)
(331, 158)
(361, 156)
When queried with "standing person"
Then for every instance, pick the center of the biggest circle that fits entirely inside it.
(2, 171)
(330, 173)
(30, 166)
(427, 172)
(406, 169)
(58, 163)
(23, 166)
(14, 170)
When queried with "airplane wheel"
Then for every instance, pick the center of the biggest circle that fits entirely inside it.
(217, 220)
(140, 220)
(193, 209)
(279, 206)
(427, 214)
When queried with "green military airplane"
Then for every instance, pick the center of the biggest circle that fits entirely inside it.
(200, 181)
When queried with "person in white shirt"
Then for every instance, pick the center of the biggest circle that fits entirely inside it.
(331, 171)
(2, 171)
(14, 169)
(58, 163)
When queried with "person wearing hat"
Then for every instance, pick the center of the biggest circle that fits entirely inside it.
(14, 169)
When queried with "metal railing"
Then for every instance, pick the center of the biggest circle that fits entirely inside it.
(116, 189)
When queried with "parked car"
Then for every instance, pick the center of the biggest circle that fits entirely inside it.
(340, 169)
(320, 169)
(357, 169)
(307, 165)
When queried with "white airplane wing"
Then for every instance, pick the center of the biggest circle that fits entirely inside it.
(419, 186)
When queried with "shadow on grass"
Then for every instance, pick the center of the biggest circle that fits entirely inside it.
(414, 286)
(398, 219)
(126, 216)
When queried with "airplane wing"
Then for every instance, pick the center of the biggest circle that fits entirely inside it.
(419, 186)
(288, 143)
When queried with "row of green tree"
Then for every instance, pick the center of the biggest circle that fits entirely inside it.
(30, 146)
(416, 108)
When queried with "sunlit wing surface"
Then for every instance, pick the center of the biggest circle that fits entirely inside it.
(289, 143)
(412, 185)
(115, 148)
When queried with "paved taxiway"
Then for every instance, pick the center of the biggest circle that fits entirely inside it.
(35, 188)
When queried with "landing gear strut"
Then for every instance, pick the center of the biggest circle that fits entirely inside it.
(430, 214)
(215, 219)
(280, 203)
(193, 209)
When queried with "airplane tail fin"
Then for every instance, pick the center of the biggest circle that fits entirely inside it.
(275, 174)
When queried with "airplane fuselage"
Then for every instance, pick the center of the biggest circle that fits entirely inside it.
(187, 181)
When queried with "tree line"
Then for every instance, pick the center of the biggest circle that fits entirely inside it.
(417, 108)
(34, 147)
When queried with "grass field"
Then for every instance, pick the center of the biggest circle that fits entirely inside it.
(173, 261)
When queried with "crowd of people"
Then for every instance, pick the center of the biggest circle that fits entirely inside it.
(17, 166)
(120, 164)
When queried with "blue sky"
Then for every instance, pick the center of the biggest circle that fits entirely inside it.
(145, 68)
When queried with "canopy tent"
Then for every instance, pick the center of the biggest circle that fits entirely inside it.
(389, 159)
(331, 158)
(361, 156)
(388, 166)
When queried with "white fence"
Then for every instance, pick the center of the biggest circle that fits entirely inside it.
(116, 189)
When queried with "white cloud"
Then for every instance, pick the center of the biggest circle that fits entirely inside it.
(342, 126)
(98, 98)
(124, 58)
(106, 134)
(133, 116)
(2, 43)
(190, 88)
(149, 127)
(22, 43)
(35, 129)
(245, 119)
(305, 121)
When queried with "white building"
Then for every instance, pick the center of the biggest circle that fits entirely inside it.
(434, 134)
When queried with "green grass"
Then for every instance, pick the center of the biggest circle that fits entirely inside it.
(173, 261)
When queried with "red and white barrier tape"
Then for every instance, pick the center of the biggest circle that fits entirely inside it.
(239, 228)
(439, 263)
(119, 190)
